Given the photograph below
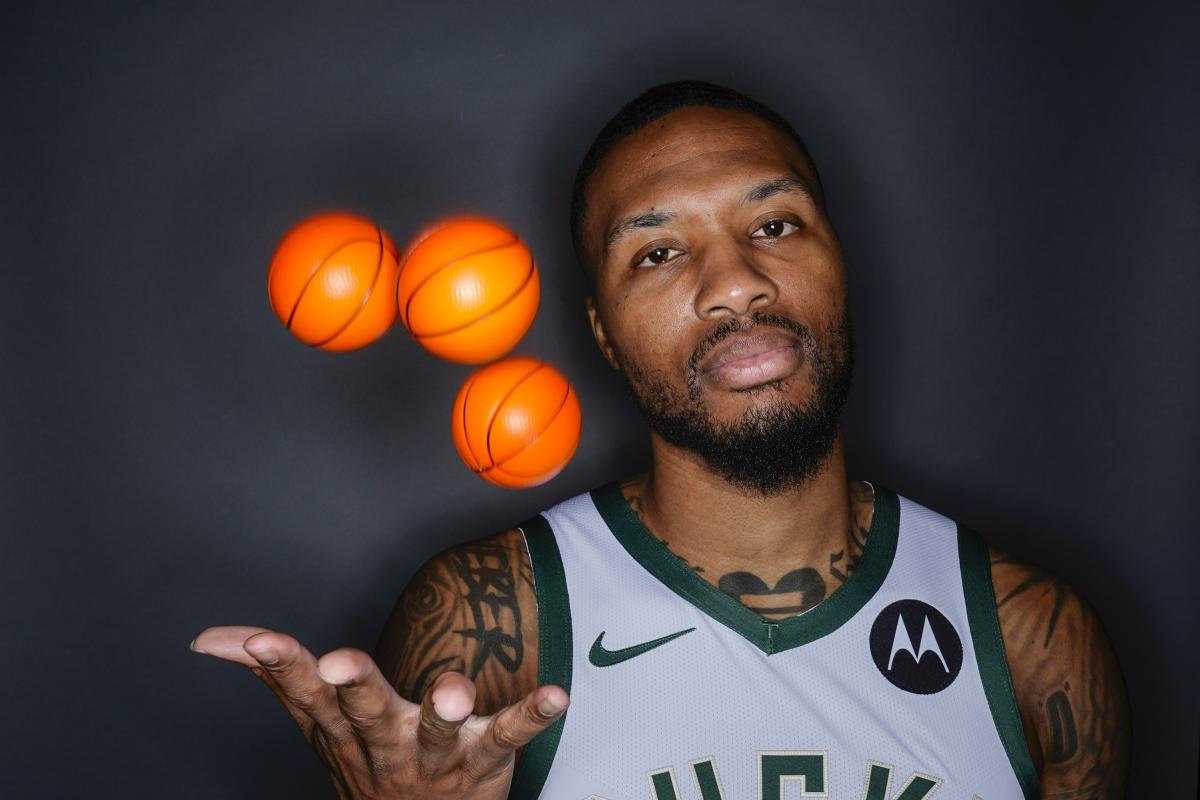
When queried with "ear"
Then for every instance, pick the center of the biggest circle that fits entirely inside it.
(610, 355)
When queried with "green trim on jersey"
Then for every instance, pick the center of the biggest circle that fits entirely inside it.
(984, 620)
(554, 652)
(767, 635)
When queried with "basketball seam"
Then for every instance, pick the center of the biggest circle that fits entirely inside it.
(320, 266)
(545, 428)
(466, 436)
(366, 294)
(487, 439)
(515, 240)
(499, 468)
(413, 294)
(555, 468)
(507, 300)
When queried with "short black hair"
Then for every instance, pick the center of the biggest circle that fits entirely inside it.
(652, 104)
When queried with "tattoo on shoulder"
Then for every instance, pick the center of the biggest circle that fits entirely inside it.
(460, 612)
(1067, 679)
(489, 591)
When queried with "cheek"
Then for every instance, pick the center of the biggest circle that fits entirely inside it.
(820, 250)
(819, 286)
(652, 328)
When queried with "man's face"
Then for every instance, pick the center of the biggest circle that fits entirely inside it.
(720, 293)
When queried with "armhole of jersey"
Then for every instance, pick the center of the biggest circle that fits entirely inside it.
(988, 643)
(554, 652)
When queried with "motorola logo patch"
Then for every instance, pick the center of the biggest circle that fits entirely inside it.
(916, 647)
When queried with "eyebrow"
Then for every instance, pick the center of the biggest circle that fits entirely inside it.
(651, 219)
(784, 184)
(787, 184)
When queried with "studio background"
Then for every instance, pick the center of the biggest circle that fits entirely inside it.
(1015, 185)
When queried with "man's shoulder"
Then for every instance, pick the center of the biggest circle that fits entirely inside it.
(502, 545)
(1068, 684)
(1021, 585)
(469, 608)
(1036, 606)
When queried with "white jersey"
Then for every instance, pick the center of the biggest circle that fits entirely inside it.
(894, 687)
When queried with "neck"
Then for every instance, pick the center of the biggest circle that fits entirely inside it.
(745, 542)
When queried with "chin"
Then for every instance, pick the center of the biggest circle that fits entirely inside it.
(732, 405)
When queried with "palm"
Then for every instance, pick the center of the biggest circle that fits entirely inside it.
(375, 743)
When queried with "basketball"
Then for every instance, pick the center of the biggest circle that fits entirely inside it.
(516, 422)
(331, 281)
(468, 290)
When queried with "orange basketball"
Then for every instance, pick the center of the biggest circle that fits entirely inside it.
(516, 422)
(331, 281)
(468, 290)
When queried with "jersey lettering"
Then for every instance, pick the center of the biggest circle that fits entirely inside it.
(879, 784)
(776, 768)
(663, 785)
(708, 784)
(810, 769)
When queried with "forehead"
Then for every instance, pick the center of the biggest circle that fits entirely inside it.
(687, 151)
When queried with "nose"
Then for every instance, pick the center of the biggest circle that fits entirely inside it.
(732, 285)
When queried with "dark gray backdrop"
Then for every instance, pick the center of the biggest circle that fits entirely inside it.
(1015, 185)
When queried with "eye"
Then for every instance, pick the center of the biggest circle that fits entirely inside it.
(775, 228)
(657, 256)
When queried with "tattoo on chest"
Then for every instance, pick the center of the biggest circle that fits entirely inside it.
(795, 592)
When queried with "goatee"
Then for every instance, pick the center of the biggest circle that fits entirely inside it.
(772, 447)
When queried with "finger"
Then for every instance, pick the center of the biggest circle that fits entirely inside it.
(514, 726)
(225, 642)
(365, 697)
(444, 708)
(291, 671)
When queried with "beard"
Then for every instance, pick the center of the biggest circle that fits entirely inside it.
(774, 446)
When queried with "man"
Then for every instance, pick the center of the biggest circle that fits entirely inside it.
(741, 620)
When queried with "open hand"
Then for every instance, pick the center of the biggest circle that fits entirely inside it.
(375, 743)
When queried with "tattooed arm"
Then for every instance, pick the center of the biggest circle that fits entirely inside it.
(1068, 684)
(469, 609)
(372, 720)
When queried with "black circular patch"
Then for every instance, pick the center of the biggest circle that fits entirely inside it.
(916, 647)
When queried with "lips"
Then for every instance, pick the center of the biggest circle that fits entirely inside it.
(749, 359)
(745, 345)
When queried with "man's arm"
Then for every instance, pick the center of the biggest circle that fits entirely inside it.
(1068, 684)
(470, 609)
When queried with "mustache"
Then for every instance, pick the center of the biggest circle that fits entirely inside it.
(737, 324)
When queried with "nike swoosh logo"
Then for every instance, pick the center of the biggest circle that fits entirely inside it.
(601, 657)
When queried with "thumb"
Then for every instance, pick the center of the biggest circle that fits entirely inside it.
(514, 726)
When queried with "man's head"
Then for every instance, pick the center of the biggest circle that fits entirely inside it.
(719, 287)
(653, 104)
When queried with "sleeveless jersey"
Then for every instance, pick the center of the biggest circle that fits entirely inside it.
(894, 687)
